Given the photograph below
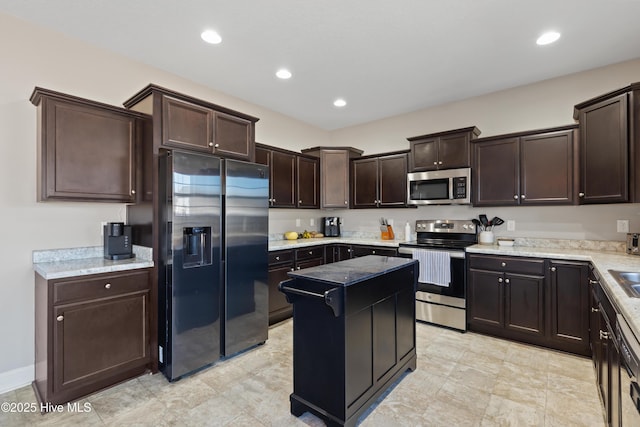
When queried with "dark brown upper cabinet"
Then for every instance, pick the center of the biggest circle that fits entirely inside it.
(87, 150)
(181, 121)
(334, 174)
(527, 168)
(442, 150)
(294, 178)
(610, 147)
(379, 181)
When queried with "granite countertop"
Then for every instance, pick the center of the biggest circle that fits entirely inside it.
(60, 263)
(354, 270)
(276, 245)
(602, 261)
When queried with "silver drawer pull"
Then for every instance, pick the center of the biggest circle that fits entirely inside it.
(107, 286)
(504, 264)
(277, 258)
(60, 318)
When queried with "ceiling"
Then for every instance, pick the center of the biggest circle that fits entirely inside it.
(383, 57)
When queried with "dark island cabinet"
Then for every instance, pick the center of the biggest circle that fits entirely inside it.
(534, 300)
(182, 121)
(91, 332)
(528, 168)
(87, 150)
(294, 179)
(442, 150)
(379, 181)
(353, 334)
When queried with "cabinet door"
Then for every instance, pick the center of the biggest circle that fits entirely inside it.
(569, 300)
(337, 253)
(524, 303)
(98, 339)
(365, 183)
(604, 140)
(87, 153)
(453, 151)
(233, 137)
(496, 173)
(393, 180)
(283, 175)
(424, 154)
(334, 187)
(279, 307)
(486, 298)
(547, 172)
(186, 125)
(308, 182)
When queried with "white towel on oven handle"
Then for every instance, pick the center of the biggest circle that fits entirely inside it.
(435, 267)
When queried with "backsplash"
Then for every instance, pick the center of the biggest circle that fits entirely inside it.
(588, 245)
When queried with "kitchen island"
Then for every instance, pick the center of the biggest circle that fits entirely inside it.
(353, 334)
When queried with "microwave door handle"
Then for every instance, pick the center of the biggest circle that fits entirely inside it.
(451, 194)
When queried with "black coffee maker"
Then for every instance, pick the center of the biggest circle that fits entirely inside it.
(117, 241)
(331, 226)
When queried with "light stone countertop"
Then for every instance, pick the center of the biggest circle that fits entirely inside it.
(276, 245)
(60, 263)
(603, 261)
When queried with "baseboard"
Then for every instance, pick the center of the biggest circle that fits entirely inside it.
(16, 378)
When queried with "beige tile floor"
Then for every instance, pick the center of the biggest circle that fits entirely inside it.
(461, 380)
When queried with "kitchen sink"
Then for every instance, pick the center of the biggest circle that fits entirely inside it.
(629, 281)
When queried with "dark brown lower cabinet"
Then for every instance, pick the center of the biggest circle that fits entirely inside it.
(91, 332)
(533, 300)
(605, 351)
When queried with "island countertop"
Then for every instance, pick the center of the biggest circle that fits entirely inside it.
(352, 271)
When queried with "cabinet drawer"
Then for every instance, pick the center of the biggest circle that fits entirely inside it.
(507, 264)
(279, 257)
(100, 286)
(359, 251)
(309, 253)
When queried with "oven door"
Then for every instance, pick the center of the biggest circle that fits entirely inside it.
(456, 288)
(629, 369)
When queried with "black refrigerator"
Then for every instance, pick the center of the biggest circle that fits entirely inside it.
(212, 272)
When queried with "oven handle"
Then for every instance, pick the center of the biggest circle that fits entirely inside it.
(452, 254)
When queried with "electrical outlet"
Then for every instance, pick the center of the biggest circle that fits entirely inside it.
(312, 222)
(511, 225)
(622, 225)
(297, 222)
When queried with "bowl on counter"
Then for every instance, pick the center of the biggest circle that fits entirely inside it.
(504, 241)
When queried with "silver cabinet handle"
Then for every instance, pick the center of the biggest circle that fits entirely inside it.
(439, 163)
(277, 258)
(507, 281)
(580, 194)
(504, 264)
(553, 269)
(216, 145)
(593, 282)
(133, 191)
(292, 269)
(299, 201)
(373, 252)
(522, 197)
(211, 144)
(595, 310)
(604, 335)
(515, 197)
(348, 250)
(500, 280)
(345, 202)
(435, 163)
(310, 252)
(107, 286)
(60, 318)
(298, 268)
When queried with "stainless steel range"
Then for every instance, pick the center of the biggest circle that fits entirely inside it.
(441, 293)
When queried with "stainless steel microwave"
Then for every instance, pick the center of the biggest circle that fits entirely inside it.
(442, 187)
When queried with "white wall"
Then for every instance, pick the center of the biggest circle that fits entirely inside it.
(32, 56)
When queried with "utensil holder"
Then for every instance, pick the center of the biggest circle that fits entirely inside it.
(486, 238)
(386, 233)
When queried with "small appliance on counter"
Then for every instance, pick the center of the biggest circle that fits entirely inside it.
(331, 226)
(632, 243)
(117, 241)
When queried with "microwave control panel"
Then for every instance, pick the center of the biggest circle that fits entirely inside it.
(460, 187)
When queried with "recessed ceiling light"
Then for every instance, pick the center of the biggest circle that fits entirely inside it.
(339, 102)
(283, 74)
(548, 38)
(211, 36)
